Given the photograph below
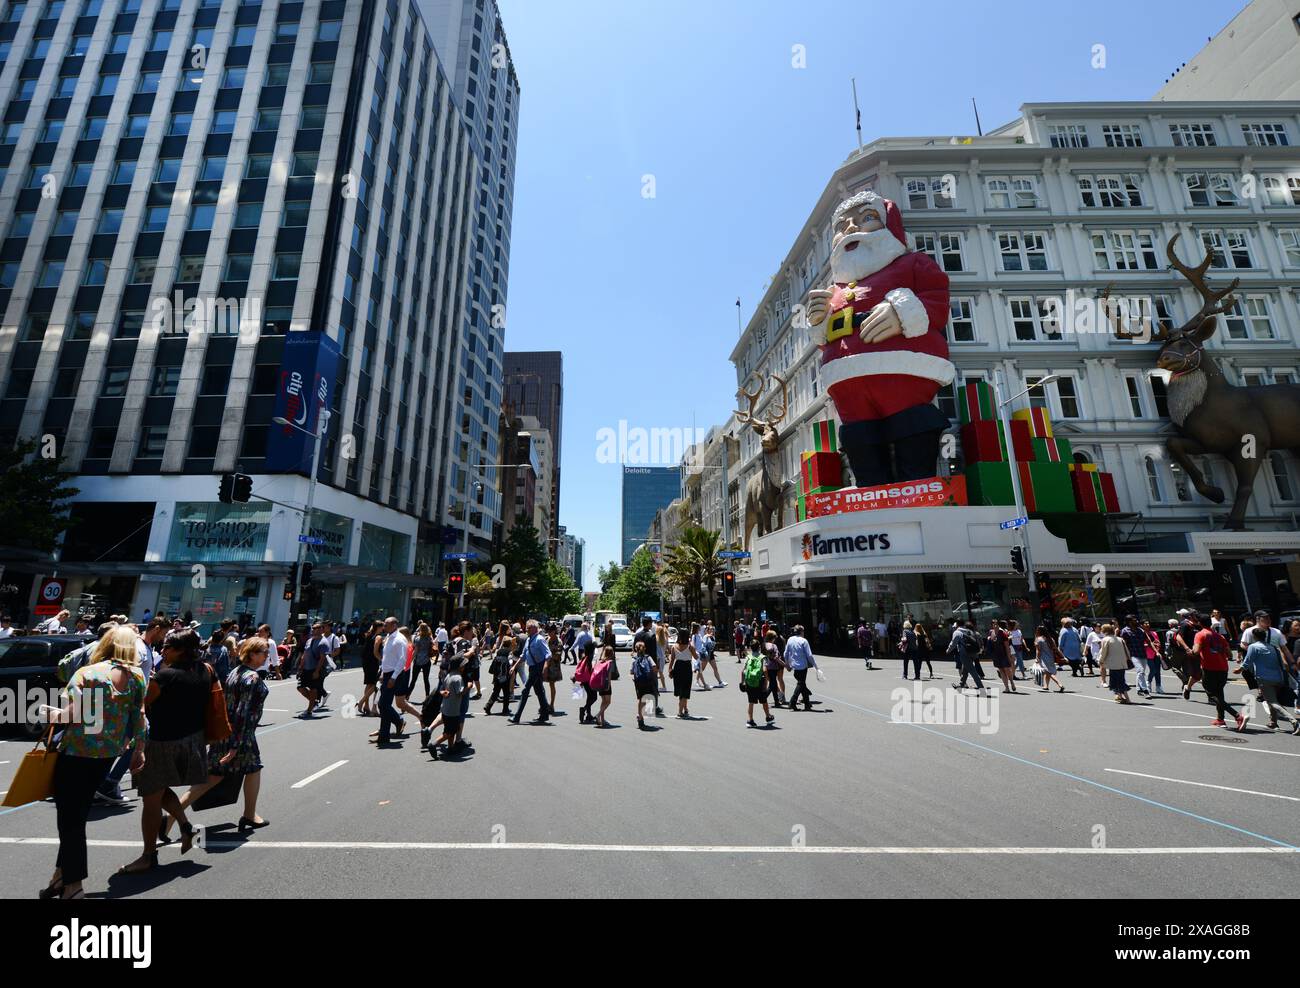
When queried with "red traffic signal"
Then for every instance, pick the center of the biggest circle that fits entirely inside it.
(455, 584)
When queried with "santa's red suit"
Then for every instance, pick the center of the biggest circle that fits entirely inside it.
(883, 391)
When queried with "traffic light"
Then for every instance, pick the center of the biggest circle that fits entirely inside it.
(1018, 559)
(291, 584)
(306, 574)
(235, 487)
(455, 584)
(729, 584)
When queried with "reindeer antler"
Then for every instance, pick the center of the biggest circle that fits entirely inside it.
(785, 401)
(1213, 303)
(752, 398)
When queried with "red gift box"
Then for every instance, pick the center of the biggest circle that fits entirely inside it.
(820, 470)
(1094, 492)
(1040, 422)
(1108, 491)
(982, 442)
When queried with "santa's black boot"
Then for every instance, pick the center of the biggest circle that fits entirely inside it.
(917, 456)
(868, 453)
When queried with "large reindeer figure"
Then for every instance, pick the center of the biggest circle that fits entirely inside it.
(1241, 424)
(763, 493)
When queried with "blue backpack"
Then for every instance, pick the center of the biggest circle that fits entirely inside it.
(643, 669)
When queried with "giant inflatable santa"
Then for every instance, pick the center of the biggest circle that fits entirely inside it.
(880, 327)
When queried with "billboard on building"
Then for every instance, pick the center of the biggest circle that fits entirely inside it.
(305, 389)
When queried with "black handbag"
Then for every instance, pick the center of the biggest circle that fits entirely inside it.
(224, 793)
(613, 668)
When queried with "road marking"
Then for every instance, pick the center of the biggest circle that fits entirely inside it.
(1168, 710)
(316, 775)
(847, 850)
(1177, 727)
(1206, 785)
(1227, 747)
(1070, 775)
(275, 710)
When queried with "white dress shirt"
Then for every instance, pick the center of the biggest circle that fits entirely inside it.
(394, 660)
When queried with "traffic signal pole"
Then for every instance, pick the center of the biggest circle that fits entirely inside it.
(306, 515)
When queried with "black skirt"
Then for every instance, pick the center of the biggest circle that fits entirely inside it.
(682, 677)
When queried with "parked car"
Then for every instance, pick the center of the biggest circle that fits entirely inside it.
(28, 669)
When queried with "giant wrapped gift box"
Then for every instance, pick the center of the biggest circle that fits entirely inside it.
(823, 436)
(1089, 467)
(986, 442)
(820, 471)
(1046, 487)
(1050, 450)
(989, 483)
(1040, 423)
(1094, 491)
(975, 402)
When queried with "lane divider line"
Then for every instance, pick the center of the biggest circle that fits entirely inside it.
(316, 775)
(1206, 785)
(1233, 747)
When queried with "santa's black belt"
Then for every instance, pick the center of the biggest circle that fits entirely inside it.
(843, 323)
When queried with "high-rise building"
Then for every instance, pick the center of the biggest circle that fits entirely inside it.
(645, 491)
(471, 42)
(534, 385)
(520, 477)
(215, 215)
(535, 443)
(1255, 57)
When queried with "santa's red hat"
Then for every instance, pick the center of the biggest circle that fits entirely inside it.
(882, 207)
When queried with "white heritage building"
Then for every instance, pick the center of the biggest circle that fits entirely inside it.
(1060, 203)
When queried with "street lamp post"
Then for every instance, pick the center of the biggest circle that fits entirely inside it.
(317, 436)
(1023, 533)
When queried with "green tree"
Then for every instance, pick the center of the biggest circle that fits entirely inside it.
(33, 498)
(692, 566)
(525, 564)
(608, 575)
(638, 587)
(562, 597)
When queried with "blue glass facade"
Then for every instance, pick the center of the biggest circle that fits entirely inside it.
(645, 491)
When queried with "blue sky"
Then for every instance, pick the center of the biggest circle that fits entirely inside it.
(639, 293)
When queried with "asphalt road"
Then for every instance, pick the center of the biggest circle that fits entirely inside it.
(1059, 795)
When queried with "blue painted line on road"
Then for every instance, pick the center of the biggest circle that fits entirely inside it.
(1072, 776)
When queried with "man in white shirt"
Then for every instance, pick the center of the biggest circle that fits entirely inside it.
(1272, 636)
(1092, 650)
(442, 637)
(391, 666)
(54, 625)
(6, 628)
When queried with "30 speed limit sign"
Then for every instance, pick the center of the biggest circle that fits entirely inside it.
(51, 596)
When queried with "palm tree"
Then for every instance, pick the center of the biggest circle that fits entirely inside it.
(693, 567)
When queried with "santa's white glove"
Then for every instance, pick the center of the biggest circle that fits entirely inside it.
(881, 324)
(817, 306)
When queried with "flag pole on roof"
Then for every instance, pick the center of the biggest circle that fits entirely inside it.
(857, 113)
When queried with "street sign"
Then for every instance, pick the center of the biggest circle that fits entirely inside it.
(460, 555)
(733, 554)
(311, 539)
(1014, 523)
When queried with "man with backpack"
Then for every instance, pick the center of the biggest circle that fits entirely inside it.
(909, 649)
(753, 681)
(1213, 650)
(965, 648)
(645, 677)
(647, 637)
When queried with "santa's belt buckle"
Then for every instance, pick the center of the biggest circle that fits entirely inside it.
(842, 324)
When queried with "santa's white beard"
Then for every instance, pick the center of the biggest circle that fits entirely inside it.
(874, 251)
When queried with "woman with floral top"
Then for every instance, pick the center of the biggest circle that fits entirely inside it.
(104, 713)
(246, 692)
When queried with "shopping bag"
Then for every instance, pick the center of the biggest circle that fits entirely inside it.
(216, 722)
(34, 780)
(821, 676)
(579, 693)
(224, 793)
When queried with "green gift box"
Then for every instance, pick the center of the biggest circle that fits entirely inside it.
(975, 402)
(990, 483)
(1052, 450)
(824, 438)
(1046, 487)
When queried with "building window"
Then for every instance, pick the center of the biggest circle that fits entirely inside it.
(1229, 249)
(1012, 192)
(1122, 135)
(223, 122)
(1134, 386)
(1265, 134)
(214, 167)
(165, 381)
(238, 267)
(943, 248)
(189, 269)
(1068, 135)
(123, 174)
(1282, 190)
(259, 166)
(277, 74)
(51, 274)
(1281, 477)
(201, 216)
(96, 271)
(153, 440)
(1110, 191)
(295, 214)
(155, 219)
(267, 120)
(320, 73)
(142, 270)
(1290, 240)
(1250, 319)
(1155, 486)
(137, 125)
(1067, 398)
(234, 77)
(935, 192)
(961, 322)
(329, 30)
(248, 215)
(1034, 319)
(149, 82)
(286, 267)
(1124, 250)
(244, 36)
(115, 382)
(1207, 189)
(1023, 251)
(312, 118)
(1192, 135)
